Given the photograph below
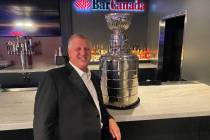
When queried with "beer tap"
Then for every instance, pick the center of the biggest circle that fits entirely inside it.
(21, 46)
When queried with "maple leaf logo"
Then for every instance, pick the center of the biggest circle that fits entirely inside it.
(83, 4)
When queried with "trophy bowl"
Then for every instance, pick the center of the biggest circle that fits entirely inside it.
(118, 21)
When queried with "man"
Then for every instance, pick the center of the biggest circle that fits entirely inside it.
(68, 103)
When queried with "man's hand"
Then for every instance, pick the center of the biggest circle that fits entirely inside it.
(114, 129)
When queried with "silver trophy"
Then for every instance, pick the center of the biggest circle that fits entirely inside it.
(119, 68)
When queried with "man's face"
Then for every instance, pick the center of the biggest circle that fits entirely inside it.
(79, 53)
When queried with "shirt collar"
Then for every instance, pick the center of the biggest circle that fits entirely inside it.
(80, 72)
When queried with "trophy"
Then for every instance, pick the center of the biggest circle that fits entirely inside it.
(119, 68)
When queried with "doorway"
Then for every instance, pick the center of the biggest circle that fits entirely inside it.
(170, 48)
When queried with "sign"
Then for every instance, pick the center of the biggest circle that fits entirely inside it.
(111, 5)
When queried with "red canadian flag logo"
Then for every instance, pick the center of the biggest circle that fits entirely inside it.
(83, 4)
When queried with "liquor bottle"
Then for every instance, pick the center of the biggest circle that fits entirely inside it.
(147, 53)
(142, 56)
(93, 53)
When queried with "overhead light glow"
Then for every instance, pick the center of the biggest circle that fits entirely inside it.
(19, 24)
(28, 24)
(24, 23)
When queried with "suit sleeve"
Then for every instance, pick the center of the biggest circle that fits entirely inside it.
(105, 114)
(45, 110)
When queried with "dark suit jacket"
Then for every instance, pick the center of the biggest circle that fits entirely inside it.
(64, 108)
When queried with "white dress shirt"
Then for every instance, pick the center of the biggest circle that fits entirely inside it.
(86, 77)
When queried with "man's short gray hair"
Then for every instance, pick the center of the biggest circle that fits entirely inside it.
(78, 36)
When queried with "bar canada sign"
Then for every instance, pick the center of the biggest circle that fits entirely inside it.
(112, 5)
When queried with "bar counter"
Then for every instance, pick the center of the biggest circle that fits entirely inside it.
(41, 68)
(174, 100)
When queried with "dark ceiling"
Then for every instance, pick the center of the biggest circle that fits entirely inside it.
(48, 4)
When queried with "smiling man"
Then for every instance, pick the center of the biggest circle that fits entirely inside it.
(69, 104)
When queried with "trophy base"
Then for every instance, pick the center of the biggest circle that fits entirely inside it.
(133, 105)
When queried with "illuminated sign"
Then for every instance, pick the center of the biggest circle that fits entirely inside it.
(112, 5)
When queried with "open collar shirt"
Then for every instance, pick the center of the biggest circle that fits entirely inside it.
(86, 77)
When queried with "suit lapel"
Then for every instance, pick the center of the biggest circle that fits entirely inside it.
(77, 81)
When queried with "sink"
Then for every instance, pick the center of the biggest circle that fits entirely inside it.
(18, 89)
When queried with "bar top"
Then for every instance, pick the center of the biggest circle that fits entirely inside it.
(42, 68)
(157, 102)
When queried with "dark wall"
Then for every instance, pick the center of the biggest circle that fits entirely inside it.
(94, 26)
(66, 22)
(196, 62)
(197, 128)
(167, 129)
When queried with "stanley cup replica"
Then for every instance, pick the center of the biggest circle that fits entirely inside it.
(119, 68)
